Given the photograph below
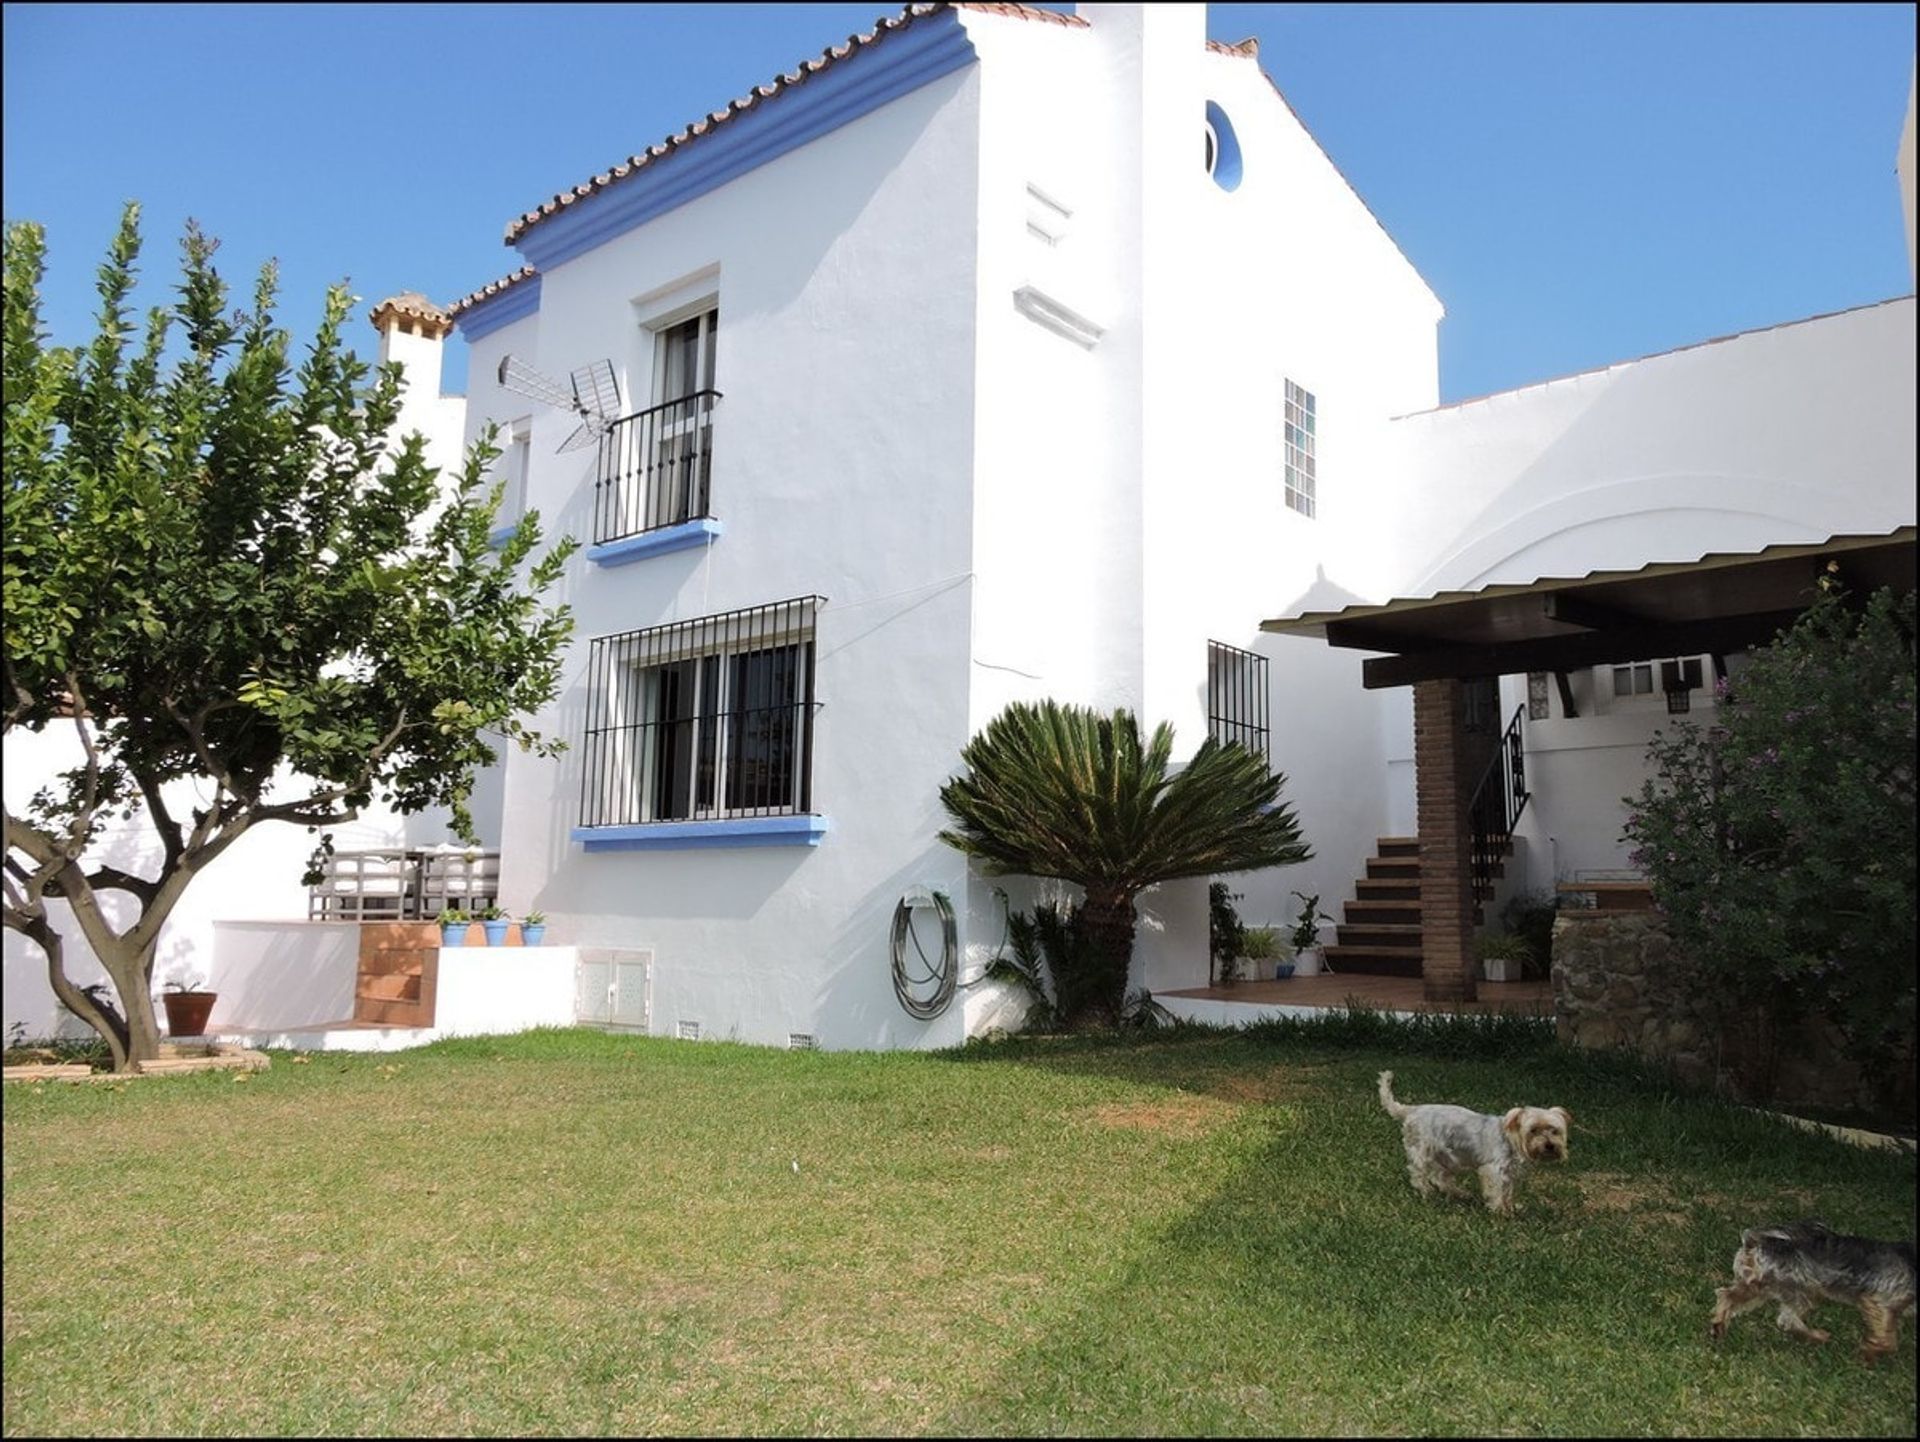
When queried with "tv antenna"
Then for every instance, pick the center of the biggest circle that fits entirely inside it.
(592, 393)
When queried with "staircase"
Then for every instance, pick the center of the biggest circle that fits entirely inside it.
(1381, 933)
(399, 969)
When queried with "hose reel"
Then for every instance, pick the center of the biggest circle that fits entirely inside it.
(924, 984)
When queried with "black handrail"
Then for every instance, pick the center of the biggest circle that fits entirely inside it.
(1498, 800)
(656, 468)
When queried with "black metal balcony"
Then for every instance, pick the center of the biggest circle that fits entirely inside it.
(656, 469)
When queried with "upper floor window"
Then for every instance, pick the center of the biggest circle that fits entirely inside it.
(702, 720)
(656, 466)
(1300, 426)
(1237, 697)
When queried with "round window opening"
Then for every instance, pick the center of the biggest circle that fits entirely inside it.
(1223, 149)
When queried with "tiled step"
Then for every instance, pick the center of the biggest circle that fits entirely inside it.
(1369, 893)
(393, 986)
(1397, 845)
(1379, 934)
(391, 1013)
(1392, 912)
(1374, 960)
(1390, 868)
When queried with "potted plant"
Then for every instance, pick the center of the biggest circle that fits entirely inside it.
(1260, 949)
(1504, 956)
(533, 928)
(1224, 933)
(188, 1008)
(453, 926)
(1305, 935)
(494, 921)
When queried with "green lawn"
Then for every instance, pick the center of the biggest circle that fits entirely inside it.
(1193, 1233)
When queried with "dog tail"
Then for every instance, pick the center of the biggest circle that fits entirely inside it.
(1396, 1110)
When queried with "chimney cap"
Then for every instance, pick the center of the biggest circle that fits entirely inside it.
(412, 312)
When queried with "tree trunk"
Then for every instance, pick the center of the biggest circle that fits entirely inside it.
(131, 968)
(1106, 926)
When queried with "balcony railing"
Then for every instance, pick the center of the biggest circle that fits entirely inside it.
(1497, 803)
(656, 469)
(402, 883)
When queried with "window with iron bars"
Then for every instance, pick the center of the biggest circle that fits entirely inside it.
(702, 720)
(1237, 697)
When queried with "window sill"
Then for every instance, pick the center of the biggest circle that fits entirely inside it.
(698, 835)
(667, 539)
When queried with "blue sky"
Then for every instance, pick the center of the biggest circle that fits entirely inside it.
(1580, 184)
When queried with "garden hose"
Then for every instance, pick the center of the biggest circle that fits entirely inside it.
(943, 975)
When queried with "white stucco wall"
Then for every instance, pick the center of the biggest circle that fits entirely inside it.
(1129, 501)
(1791, 434)
(258, 878)
(282, 974)
(843, 460)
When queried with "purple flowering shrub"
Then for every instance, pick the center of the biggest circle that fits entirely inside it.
(1779, 841)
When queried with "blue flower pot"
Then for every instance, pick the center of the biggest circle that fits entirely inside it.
(453, 933)
(1282, 970)
(496, 932)
(532, 935)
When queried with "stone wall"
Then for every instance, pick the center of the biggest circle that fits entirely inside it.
(1618, 981)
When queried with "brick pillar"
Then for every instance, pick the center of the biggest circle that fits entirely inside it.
(1441, 757)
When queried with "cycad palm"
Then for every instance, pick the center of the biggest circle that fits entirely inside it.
(1063, 791)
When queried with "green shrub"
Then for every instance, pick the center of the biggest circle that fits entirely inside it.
(1780, 841)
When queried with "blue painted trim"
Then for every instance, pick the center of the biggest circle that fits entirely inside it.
(484, 317)
(1226, 159)
(900, 62)
(702, 532)
(705, 835)
(498, 537)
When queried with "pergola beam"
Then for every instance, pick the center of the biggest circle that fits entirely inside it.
(1572, 652)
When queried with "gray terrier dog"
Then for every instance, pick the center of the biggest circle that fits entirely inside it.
(1445, 1142)
(1802, 1263)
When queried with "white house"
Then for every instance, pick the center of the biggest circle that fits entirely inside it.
(1002, 354)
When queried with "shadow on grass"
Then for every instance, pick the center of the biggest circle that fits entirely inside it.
(1312, 1291)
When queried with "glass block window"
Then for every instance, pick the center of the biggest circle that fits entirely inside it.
(1300, 425)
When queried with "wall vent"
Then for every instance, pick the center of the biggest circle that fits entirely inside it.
(1046, 217)
(802, 1041)
(687, 1030)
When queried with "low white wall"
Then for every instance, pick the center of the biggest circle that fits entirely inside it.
(493, 990)
(284, 973)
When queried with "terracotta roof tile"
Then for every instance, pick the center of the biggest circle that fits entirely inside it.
(882, 27)
(490, 290)
(1250, 47)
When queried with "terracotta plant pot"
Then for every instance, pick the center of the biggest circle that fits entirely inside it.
(187, 1011)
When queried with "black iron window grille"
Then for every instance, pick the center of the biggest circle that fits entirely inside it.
(702, 720)
(1237, 697)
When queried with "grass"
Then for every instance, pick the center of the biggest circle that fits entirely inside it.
(1189, 1232)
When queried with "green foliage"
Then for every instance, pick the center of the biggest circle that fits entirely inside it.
(1530, 916)
(1068, 793)
(1780, 841)
(1306, 926)
(1260, 943)
(1225, 931)
(1503, 946)
(452, 916)
(222, 566)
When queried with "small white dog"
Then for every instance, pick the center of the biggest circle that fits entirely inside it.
(1445, 1142)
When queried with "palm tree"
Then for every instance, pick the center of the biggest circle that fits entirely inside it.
(1063, 791)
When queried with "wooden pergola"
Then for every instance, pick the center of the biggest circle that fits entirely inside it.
(1719, 604)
